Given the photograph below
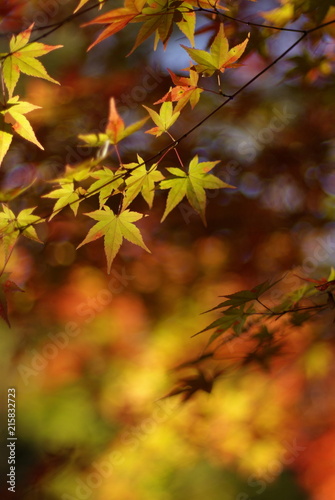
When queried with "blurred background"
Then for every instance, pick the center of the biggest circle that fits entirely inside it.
(91, 355)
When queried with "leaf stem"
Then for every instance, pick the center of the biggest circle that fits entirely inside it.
(175, 150)
(118, 155)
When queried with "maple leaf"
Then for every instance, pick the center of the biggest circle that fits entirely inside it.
(219, 57)
(22, 58)
(69, 194)
(242, 297)
(187, 22)
(116, 19)
(185, 90)
(141, 181)
(106, 183)
(12, 226)
(6, 286)
(164, 120)
(94, 140)
(159, 18)
(78, 173)
(115, 131)
(188, 386)
(14, 114)
(192, 185)
(114, 228)
(234, 317)
(5, 142)
(281, 15)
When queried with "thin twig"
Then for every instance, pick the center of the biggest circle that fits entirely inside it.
(249, 23)
(175, 150)
(54, 27)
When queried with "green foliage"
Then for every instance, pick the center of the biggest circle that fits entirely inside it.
(22, 58)
(192, 185)
(11, 227)
(114, 228)
(219, 58)
(141, 181)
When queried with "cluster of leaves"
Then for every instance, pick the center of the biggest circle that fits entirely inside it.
(249, 328)
(141, 177)
(21, 58)
(129, 180)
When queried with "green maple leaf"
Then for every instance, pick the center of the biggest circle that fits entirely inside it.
(282, 15)
(234, 317)
(78, 173)
(12, 226)
(160, 16)
(67, 194)
(22, 59)
(164, 120)
(5, 142)
(114, 228)
(141, 181)
(192, 185)
(157, 18)
(242, 297)
(219, 57)
(14, 114)
(106, 183)
(188, 21)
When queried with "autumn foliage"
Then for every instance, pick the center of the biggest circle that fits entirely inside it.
(174, 152)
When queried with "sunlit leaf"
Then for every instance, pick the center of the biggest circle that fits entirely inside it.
(185, 91)
(114, 228)
(188, 21)
(116, 19)
(141, 181)
(219, 57)
(22, 58)
(14, 114)
(164, 119)
(5, 142)
(12, 226)
(67, 195)
(191, 184)
(106, 183)
(280, 15)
